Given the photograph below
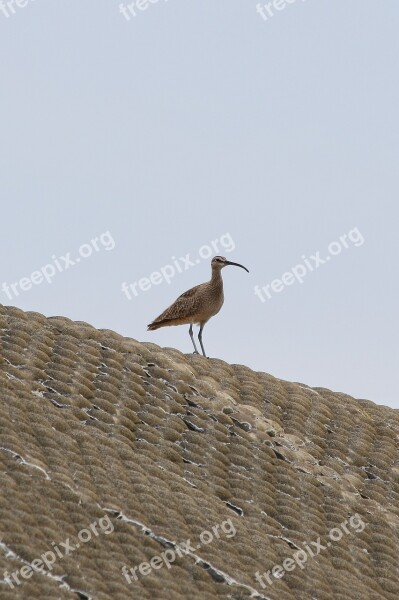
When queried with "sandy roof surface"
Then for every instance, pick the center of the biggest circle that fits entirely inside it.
(130, 451)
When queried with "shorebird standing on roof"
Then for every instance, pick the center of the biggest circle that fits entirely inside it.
(198, 304)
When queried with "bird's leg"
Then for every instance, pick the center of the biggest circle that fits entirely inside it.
(192, 339)
(200, 339)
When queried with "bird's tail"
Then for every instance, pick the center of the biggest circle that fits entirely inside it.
(164, 323)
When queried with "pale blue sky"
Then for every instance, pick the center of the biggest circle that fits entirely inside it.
(191, 121)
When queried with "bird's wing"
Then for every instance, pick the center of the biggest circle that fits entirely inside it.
(186, 305)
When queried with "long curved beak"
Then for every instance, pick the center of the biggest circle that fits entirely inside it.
(237, 265)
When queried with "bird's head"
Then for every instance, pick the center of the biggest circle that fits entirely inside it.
(218, 262)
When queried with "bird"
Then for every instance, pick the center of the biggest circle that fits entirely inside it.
(198, 304)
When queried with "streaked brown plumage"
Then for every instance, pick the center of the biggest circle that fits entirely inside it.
(197, 305)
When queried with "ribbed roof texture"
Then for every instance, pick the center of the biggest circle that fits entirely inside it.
(166, 446)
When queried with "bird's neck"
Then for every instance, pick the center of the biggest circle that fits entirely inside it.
(216, 278)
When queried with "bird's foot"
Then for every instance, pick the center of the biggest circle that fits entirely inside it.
(195, 352)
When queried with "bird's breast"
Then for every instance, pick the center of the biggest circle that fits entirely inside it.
(211, 305)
